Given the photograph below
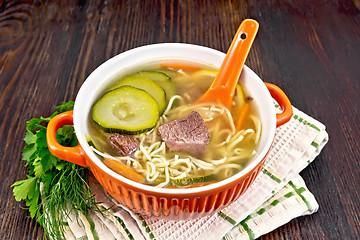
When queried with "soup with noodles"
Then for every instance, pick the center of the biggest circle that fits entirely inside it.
(146, 128)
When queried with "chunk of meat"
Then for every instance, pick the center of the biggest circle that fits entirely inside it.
(187, 134)
(124, 145)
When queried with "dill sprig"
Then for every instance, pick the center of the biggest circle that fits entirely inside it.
(53, 187)
(69, 192)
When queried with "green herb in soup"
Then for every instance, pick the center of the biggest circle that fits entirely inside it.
(181, 145)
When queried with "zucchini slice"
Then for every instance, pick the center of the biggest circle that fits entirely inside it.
(170, 73)
(189, 181)
(126, 110)
(163, 80)
(147, 85)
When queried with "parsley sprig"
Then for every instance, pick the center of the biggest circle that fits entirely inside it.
(53, 186)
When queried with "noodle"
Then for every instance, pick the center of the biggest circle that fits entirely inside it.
(158, 150)
(257, 127)
(167, 178)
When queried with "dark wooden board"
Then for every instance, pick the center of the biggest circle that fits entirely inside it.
(311, 49)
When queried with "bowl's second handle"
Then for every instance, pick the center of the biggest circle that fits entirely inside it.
(284, 103)
(70, 154)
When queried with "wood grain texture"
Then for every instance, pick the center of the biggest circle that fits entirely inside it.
(311, 49)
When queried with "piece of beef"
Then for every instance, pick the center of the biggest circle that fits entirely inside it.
(187, 134)
(124, 145)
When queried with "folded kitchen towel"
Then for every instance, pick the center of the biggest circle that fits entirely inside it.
(292, 201)
(277, 195)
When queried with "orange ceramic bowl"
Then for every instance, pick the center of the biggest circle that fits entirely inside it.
(164, 202)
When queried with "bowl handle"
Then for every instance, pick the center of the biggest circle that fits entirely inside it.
(284, 103)
(70, 154)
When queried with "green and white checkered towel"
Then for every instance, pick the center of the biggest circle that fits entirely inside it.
(277, 195)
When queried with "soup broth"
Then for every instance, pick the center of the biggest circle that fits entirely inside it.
(234, 134)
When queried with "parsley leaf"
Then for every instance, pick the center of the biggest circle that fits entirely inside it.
(28, 153)
(25, 188)
(30, 138)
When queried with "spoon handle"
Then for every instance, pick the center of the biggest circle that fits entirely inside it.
(235, 58)
(223, 87)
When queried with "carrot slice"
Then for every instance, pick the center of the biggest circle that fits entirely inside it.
(180, 66)
(123, 170)
(243, 114)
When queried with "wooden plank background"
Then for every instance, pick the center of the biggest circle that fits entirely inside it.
(311, 49)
